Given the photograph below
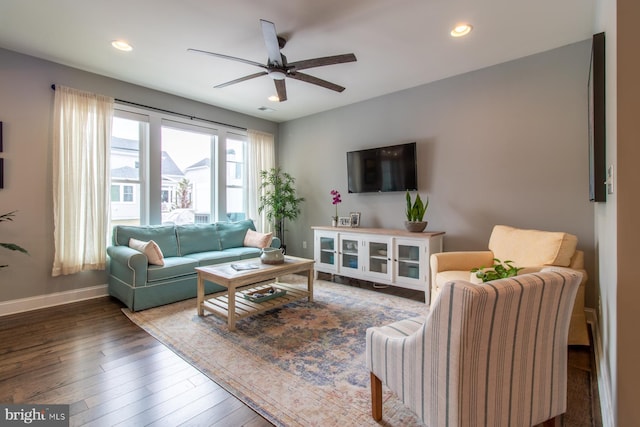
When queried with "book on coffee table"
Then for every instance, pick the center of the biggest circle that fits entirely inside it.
(243, 267)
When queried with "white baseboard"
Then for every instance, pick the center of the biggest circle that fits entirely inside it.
(50, 300)
(604, 382)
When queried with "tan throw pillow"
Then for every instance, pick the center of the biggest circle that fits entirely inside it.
(150, 249)
(257, 240)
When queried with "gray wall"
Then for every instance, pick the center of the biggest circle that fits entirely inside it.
(502, 145)
(26, 102)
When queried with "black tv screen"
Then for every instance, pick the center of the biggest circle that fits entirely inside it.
(392, 168)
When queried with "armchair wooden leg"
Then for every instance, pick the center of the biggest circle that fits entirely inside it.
(376, 398)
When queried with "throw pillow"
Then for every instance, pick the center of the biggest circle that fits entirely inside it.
(150, 249)
(257, 240)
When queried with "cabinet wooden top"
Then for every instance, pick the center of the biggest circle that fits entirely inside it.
(381, 231)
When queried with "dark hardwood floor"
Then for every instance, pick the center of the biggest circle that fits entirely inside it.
(110, 372)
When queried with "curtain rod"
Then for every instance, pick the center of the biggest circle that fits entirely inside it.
(135, 104)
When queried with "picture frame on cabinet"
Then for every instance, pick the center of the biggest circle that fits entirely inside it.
(344, 221)
(355, 219)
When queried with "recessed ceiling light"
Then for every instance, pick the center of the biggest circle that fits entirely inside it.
(122, 45)
(461, 30)
(274, 98)
(266, 109)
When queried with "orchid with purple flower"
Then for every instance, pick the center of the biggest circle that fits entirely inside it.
(335, 200)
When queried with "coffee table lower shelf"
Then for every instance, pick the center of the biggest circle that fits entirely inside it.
(218, 304)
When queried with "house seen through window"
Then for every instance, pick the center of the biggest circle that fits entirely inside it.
(183, 186)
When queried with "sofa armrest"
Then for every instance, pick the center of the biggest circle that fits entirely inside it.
(462, 260)
(577, 260)
(128, 265)
(447, 261)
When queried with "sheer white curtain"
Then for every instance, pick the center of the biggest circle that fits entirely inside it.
(261, 155)
(81, 150)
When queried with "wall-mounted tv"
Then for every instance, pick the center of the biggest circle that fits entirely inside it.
(392, 168)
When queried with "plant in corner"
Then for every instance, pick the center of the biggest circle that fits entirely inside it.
(278, 199)
(415, 213)
(499, 270)
(11, 246)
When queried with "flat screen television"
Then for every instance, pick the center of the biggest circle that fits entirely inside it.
(392, 168)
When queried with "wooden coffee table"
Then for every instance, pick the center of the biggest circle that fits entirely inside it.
(232, 305)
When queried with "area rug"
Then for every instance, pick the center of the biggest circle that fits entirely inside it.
(300, 365)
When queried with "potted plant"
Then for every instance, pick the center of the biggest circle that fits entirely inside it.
(11, 246)
(278, 199)
(336, 199)
(415, 213)
(499, 270)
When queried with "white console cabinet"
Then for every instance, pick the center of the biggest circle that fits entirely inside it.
(386, 256)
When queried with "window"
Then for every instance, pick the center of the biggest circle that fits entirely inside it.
(168, 170)
(186, 173)
(236, 178)
(115, 193)
(122, 193)
(127, 193)
(130, 133)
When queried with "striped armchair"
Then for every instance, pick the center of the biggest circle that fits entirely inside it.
(493, 354)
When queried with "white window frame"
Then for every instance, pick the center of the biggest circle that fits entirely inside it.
(150, 160)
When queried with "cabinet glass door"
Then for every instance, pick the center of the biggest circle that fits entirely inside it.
(349, 252)
(408, 261)
(378, 257)
(327, 250)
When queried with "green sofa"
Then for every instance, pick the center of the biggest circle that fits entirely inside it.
(141, 285)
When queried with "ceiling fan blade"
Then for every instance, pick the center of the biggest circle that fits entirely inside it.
(271, 41)
(233, 58)
(281, 89)
(319, 62)
(316, 81)
(241, 79)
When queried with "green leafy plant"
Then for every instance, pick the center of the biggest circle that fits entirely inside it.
(415, 210)
(11, 246)
(499, 270)
(278, 199)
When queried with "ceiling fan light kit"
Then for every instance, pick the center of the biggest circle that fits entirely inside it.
(279, 69)
(277, 74)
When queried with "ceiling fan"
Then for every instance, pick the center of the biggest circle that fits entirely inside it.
(277, 66)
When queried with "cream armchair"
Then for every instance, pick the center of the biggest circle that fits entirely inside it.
(483, 355)
(532, 250)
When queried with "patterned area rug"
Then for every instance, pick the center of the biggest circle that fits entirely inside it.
(300, 365)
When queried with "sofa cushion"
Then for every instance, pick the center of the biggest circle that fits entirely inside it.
(150, 249)
(232, 233)
(244, 252)
(213, 257)
(163, 235)
(532, 247)
(257, 240)
(173, 267)
(194, 238)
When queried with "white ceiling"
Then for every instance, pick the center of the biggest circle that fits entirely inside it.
(399, 43)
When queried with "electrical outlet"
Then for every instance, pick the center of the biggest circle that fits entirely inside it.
(304, 244)
(609, 181)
